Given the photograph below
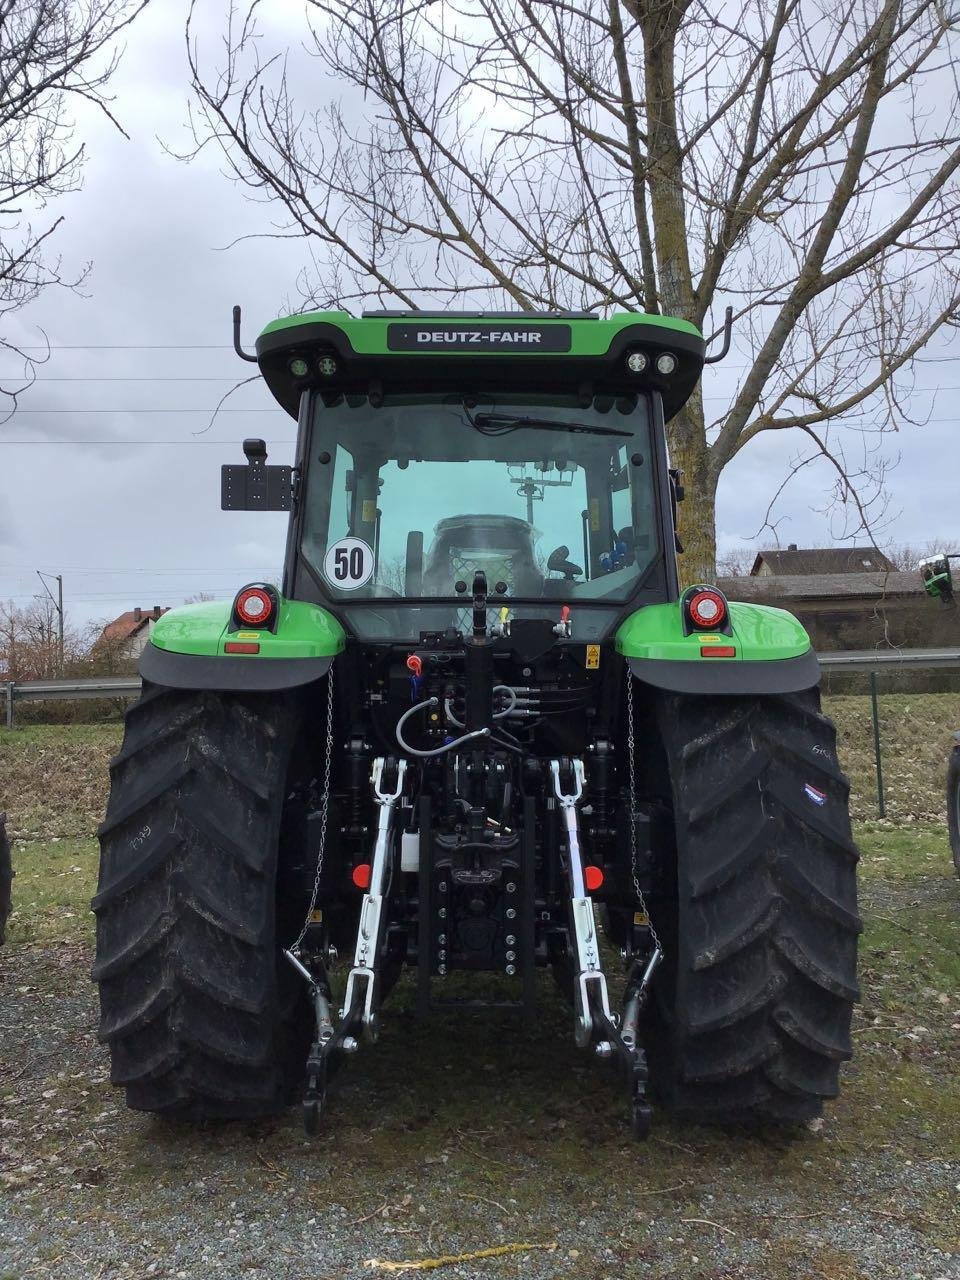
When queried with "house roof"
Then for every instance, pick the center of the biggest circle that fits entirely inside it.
(129, 623)
(809, 560)
(867, 586)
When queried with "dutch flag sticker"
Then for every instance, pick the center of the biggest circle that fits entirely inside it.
(815, 796)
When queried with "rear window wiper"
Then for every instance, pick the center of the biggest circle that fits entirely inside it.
(498, 424)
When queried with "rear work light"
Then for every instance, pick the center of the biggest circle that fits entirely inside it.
(254, 606)
(707, 609)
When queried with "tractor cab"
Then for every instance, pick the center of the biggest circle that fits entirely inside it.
(532, 449)
(404, 501)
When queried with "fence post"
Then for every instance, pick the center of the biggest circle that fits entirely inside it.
(876, 743)
(9, 702)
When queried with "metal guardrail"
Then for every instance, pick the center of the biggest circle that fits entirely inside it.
(885, 659)
(869, 660)
(129, 686)
(67, 690)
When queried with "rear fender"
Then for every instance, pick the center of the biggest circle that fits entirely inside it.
(187, 648)
(772, 654)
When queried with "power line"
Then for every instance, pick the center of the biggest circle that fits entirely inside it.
(145, 378)
(125, 346)
(232, 378)
(144, 589)
(92, 568)
(141, 442)
(225, 346)
(209, 409)
(291, 440)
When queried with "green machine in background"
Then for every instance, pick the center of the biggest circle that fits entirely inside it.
(937, 578)
(477, 725)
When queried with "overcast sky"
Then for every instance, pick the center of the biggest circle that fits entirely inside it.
(102, 477)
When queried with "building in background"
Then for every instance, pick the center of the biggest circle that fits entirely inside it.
(125, 637)
(808, 561)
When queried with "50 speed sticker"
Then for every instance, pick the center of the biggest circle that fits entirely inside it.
(348, 564)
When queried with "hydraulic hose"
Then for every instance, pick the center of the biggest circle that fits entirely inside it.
(497, 715)
(434, 751)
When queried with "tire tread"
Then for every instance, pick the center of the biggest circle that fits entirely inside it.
(186, 957)
(755, 1018)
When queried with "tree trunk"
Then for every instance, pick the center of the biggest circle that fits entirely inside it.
(686, 433)
(697, 513)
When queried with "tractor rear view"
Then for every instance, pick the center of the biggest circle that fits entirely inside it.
(478, 717)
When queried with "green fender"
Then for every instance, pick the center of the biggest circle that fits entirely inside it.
(772, 651)
(187, 648)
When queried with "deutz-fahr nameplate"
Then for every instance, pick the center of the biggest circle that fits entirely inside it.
(430, 336)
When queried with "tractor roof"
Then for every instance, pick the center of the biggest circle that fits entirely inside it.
(473, 351)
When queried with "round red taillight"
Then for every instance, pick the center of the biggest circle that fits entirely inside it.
(707, 609)
(254, 607)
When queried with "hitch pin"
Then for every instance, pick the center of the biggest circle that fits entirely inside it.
(321, 1005)
(651, 968)
(631, 1012)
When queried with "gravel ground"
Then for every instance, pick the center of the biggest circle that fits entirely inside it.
(455, 1136)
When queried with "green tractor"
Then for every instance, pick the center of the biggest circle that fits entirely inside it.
(479, 726)
(938, 581)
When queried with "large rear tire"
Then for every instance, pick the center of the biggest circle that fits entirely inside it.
(6, 878)
(752, 1008)
(196, 1006)
(953, 804)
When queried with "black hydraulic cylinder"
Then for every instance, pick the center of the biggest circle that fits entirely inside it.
(479, 692)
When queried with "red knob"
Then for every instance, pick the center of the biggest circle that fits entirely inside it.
(592, 878)
(361, 875)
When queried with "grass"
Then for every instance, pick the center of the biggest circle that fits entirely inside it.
(900, 853)
(51, 893)
(484, 1125)
(916, 734)
(54, 778)
(501, 1136)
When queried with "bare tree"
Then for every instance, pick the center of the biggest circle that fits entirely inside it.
(30, 641)
(905, 557)
(736, 563)
(53, 53)
(797, 159)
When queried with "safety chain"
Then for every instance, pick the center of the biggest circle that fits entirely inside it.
(324, 812)
(632, 763)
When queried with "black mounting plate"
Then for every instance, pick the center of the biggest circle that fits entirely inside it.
(255, 486)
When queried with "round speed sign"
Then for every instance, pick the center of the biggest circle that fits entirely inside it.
(348, 564)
